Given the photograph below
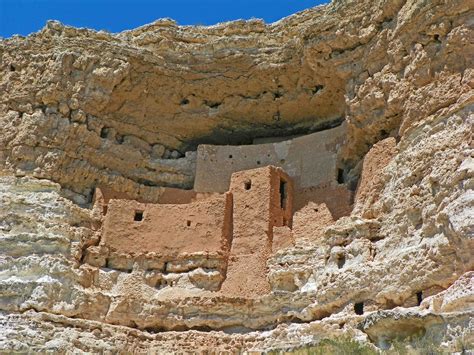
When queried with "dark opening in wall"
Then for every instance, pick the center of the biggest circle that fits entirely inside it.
(278, 93)
(212, 104)
(277, 116)
(359, 308)
(188, 223)
(138, 216)
(184, 102)
(12, 67)
(341, 260)
(248, 185)
(230, 156)
(340, 176)
(436, 38)
(317, 88)
(283, 193)
(258, 162)
(104, 132)
(419, 297)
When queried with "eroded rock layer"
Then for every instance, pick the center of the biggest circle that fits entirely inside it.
(81, 109)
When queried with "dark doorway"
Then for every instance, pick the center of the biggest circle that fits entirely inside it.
(283, 193)
(340, 176)
(419, 297)
(359, 308)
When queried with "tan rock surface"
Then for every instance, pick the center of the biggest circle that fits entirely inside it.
(80, 109)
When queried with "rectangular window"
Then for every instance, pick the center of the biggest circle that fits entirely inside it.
(283, 194)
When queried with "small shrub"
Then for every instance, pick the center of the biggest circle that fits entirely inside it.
(338, 346)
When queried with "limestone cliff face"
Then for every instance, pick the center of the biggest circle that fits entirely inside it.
(80, 108)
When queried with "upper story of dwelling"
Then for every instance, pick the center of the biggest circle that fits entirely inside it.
(311, 160)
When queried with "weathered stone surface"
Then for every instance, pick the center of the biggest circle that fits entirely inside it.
(80, 109)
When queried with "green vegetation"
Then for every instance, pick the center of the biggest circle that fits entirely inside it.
(340, 346)
(420, 345)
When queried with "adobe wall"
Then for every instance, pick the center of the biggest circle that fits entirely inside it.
(168, 195)
(203, 226)
(310, 160)
(257, 207)
(257, 210)
(283, 237)
(337, 198)
(311, 220)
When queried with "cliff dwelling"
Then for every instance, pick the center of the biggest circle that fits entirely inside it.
(219, 235)
(248, 187)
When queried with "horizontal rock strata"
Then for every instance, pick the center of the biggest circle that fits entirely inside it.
(80, 109)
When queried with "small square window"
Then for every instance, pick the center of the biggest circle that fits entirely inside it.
(138, 216)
